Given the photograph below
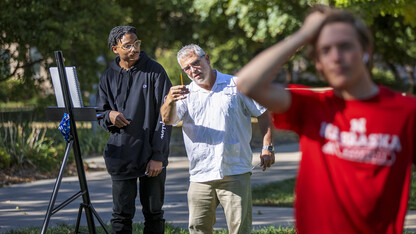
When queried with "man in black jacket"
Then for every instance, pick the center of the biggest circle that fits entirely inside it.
(130, 94)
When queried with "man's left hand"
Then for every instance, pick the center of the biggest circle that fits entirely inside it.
(153, 168)
(267, 158)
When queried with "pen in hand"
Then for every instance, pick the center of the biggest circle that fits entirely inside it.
(147, 173)
(256, 166)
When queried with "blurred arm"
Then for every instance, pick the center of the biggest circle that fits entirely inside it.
(256, 77)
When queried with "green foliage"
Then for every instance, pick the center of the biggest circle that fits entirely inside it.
(387, 78)
(231, 31)
(394, 41)
(5, 159)
(281, 193)
(28, 146)
(251, 26)
(412, 195)
(92, 141)
(160, 24)
(16, 90)
(78, 28)
(167, 58)
(275, 194)
(393, 26)
(396, 8)
(275, 230)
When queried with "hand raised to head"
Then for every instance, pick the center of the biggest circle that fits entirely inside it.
(314, 20)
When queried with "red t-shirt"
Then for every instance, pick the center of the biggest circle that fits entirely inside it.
(355, 170)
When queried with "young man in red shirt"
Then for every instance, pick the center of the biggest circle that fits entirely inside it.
(357, 139)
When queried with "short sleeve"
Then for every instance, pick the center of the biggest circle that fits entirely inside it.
(253, 107)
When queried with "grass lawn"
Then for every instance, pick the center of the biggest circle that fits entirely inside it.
(138, 228)
(275, 194)
(281, 193)
(412, 198)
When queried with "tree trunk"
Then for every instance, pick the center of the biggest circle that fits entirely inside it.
(411, 72)
(289, 73)
(395, 72)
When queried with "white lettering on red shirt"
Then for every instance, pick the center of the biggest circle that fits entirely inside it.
(357, 146)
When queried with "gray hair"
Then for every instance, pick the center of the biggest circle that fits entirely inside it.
(186, 50)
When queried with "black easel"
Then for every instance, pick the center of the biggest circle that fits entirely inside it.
(75, 114)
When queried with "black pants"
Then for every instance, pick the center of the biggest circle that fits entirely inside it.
(152, 193)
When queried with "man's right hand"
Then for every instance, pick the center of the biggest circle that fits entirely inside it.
(118, 119)
(313, 22)
(176, 93)
(168, 109)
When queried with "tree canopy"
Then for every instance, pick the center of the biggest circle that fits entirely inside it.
(230, 31)
(77, 28)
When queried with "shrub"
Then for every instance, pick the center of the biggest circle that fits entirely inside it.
(92, 140)
(4, 159)
(28, 146)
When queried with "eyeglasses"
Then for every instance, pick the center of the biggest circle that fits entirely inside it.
(195, 63)
(136, 45)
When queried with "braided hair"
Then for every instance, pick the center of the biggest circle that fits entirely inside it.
(118, 32)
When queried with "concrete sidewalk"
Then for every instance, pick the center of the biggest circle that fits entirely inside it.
(25, 205)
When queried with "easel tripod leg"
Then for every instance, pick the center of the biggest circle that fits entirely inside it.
(56, 188)
(91, 209)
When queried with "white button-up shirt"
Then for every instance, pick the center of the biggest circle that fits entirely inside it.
(217, 129)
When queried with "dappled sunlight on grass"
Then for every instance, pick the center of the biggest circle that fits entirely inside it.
(279, 194)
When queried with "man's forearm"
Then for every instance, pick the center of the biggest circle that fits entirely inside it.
(265, 128)
(264, 67)
(255, 78)
(267, 155)
(168, 112)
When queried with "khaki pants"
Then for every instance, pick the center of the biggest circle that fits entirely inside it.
(234, 195)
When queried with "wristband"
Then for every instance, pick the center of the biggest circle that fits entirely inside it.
(270, 148)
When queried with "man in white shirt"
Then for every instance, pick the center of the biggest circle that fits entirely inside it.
(217, 132)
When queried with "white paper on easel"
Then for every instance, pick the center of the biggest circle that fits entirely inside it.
(73, 84)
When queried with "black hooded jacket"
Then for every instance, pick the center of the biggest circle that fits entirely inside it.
(138, 93)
